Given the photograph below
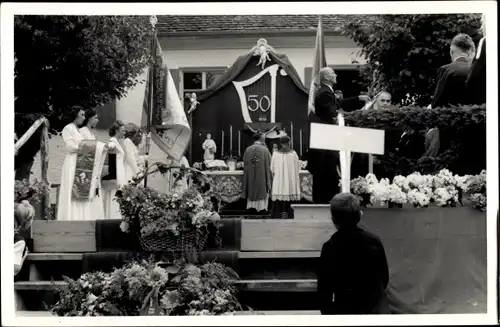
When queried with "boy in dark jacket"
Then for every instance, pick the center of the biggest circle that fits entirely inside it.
(353, 272)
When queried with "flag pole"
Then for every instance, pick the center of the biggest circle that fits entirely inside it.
(152, 20)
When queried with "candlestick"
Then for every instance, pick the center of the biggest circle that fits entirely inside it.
(239, 143)
(291, 134)
(222, 153)
(300, 135)
(230, 140)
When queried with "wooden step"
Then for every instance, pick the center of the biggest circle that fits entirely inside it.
(44, 314)
(61, 256)
(256, 285)
(278, 254)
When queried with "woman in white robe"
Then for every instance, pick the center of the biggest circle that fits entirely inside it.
(134, 162)
(110, 186)
(91, 120)
(69, 208)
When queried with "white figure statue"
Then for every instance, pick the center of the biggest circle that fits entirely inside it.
(262, 50)
(209, 147)
(194, 102)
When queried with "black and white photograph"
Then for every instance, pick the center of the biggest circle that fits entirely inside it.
(267, 163)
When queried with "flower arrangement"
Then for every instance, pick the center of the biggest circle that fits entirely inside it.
(443, 189)
(198, 165)
(151, 288)
(302, 164)
(475, 188)
(31, 191)
(240, 165)
(168, 221)
(359, 186)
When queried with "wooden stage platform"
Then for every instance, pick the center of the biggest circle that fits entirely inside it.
(277, 259)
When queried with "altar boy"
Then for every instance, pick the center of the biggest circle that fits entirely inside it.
(286, 183)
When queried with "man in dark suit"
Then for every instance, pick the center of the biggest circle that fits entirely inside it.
(322, 164)
(353, 272)
(451, 89)
(476, 79)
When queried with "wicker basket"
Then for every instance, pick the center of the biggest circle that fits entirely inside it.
(194, 240)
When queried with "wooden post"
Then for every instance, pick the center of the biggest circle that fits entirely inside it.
(370, 164)
(44, 155)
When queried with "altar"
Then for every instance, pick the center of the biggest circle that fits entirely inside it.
(230, 184)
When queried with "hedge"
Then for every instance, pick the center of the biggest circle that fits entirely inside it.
(462, 135)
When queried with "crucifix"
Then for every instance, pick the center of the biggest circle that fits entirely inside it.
(346, 140)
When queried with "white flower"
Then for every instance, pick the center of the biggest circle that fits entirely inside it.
(124, 226)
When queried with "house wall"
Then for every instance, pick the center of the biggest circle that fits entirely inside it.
(207, 51)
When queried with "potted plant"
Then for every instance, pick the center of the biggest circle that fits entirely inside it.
(178, 222)
(150, 287)
(231, 161)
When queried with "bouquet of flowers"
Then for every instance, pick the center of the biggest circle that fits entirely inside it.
(302, 164)
(476, 190)
(31, 191)
(360, 188)
(379, 191)
(168, 221)
(151, 288)
(240, 165)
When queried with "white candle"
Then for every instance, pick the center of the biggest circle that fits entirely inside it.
(239, 144)
(230, 140)
(300, 135)
(222, 153)
(291, 134)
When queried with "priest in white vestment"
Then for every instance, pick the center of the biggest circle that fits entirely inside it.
(285, 170)
(79, 196)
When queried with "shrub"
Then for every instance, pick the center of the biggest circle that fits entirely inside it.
(462, 136)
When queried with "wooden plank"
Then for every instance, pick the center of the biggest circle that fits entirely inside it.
(278, 285)
(280, 313)
(284, 235)
(64, 236)
(42, 285)
(54, 256)
(278, 254)
(312, 212)
(40, 314)
(255, 285)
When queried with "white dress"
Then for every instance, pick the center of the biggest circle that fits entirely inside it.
(67, 209)
(134, 162)
(111, 206)
(286, 182)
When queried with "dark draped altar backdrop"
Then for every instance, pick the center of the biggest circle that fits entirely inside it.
(249, 97)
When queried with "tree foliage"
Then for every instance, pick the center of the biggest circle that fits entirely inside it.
(63, 61)
(404, 52)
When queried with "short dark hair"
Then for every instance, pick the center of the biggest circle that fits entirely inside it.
(116, 126)
(89, 113)
(285, 139)
(73, 112)
(257, 136)
(345, 209)
(463, 42)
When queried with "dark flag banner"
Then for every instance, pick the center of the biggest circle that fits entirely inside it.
(170, 129)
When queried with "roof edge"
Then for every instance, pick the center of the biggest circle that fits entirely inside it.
(250, 32)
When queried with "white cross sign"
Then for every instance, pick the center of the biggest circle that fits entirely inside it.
(346, 140)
